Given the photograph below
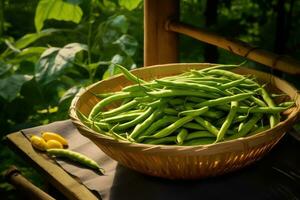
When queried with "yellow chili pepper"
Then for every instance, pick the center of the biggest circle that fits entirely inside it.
(54, 136)
(38, 143)
(54, 144)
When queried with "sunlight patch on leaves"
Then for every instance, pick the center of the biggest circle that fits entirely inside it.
(130, 4)
(32, 37)
(58, 10)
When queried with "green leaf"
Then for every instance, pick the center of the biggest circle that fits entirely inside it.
(58, 10)
(111, 30)
(119, 23)
(11, 86)
(76, 2)
(30, 54)
(127, 44)
(54, 61)
(4, 67)
(118, 59)
(109, 5)
(129, 4)
(32, 37)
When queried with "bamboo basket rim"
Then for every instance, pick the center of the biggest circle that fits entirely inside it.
(197, 148)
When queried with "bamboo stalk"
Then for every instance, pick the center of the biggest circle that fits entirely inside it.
(14, 177)
(278, 62)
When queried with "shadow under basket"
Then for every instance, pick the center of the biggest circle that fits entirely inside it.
(183, 162)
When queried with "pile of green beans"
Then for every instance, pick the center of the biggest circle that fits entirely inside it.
(197, 107)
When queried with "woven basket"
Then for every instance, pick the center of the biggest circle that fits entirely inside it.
(183, 162)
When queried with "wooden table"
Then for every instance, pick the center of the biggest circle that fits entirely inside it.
(277, 170)
(52, 172)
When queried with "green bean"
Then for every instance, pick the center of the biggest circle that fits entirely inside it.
(134, 121)
(75, 156)
(206, 124)
(230, 75)
(228, 121)
(176, 101)
(105, 95)
(223, 100)
(195, 99)
(183, 85)
(232, 84)
(191, 125)
(129, 75)
(286, 104)
(209, 113)
(104, 102)
(82, 117)
(199, 141)
(248, 86)
(117, 136)
(119, 109)
(171, 128)
(145, 124)
(210, 80)
(247, 127)
(245, 109)
(273, 118)
(258, 101)
(181, 136)
(136, 87)
(177, 92)
(170, 111)
(126, 100)
(165, 121)
(101, 125)
(241, 125)
(213, 114)
(199, 134)
(203, 82)
(195, 112)
(180, 108)
(222, 67)
(278, 95)
(97, 126)
(121, 118)
(164, 140)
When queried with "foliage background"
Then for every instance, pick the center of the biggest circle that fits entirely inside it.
(49, 49)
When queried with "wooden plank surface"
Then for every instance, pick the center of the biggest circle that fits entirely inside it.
(59, 178)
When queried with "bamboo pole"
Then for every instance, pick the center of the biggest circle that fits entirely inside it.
(14, 177)
(160, 46)
(278, 62)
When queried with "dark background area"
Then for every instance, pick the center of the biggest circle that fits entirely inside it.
(97, 31)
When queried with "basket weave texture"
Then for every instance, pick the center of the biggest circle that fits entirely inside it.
(183, 162)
